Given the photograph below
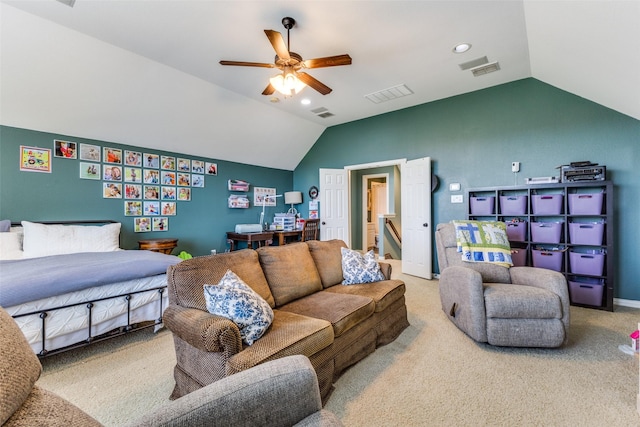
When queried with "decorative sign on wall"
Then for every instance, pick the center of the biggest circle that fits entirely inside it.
(34, 159)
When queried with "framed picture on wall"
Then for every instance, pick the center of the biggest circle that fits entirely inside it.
(184, 179)
(34, 159)
(197, 180)
(168, 162)
(112, 155)
(212, 168)
(197, 166)
(168, 208)
(90, 152)
(111, 190)
(151, 160)
(260, 196)
(133, 191)
(132, 208)
(184, 194)
(184, 165)
(151, 208)
(132, 175)
(168, 193)
(89, 170)
(160, 223)
(132, 158)
(65, 149)
(151, 192)
(112, 173)
(141, 225)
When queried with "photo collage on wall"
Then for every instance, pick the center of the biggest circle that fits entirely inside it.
(150, 184)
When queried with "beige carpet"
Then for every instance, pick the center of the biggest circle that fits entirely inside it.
(432, 375)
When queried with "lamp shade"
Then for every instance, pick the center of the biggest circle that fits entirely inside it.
(293, 197)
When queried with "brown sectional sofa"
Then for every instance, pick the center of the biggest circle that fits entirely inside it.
(315, 315)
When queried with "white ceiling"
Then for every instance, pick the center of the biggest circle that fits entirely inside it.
(146, 72)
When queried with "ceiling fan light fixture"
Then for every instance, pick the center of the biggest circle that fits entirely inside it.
(287, 83)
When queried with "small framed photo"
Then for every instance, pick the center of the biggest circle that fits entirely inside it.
(132, 158)
(132, 208)
(168, 178)
(168, 162)
(212, 168)
(151, 192)
(160, 223)
(112, 173)
(184, 165)
(90, 152)
(260, 196)
(111, 190)
(132, 175)
(151, 176)
(168, 193)
(141, 225)
(151, 160)
(184, 179)
(133, 191)
(168, 208)
(151, 208)
(197, 166)
(184, 194)
(33, 159)
(89, 170)
(197, 180)
(112, 155)
(65, 149)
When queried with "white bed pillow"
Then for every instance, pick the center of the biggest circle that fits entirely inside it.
(11, 244)
(55, 239)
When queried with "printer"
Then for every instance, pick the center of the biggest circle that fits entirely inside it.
(583, 171)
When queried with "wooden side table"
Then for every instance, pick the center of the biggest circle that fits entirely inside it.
(250, 238)
(165, 246)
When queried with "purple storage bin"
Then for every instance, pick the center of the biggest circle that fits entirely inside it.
(585, 204)
(586, 233)
(551, 260)
(519, 257)
(546, 204)
(517, 231)
(482, 205)
(591, 264)
(513, 205)
(546, 232)
(586, 290)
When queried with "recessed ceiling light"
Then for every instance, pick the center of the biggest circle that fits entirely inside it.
(305, 101)
(461, 48)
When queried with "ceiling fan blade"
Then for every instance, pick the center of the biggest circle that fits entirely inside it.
(278, 44)
(269, 90)
(329, 61)
(247, 64)
(315, 84)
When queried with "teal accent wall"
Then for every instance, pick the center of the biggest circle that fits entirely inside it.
(200, 224)
(473, 138)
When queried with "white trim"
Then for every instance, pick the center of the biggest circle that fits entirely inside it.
(626, 302)
(376, 164)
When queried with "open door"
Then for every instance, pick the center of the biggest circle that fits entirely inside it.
(334, 205)
(416, 218)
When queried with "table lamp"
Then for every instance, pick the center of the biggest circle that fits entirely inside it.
(292, 198)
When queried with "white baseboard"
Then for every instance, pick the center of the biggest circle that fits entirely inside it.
(626, 302)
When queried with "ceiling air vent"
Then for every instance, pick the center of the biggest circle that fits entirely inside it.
(322, 112)
(389, 94)
(325, 115)
(473, 63)
(485, 69)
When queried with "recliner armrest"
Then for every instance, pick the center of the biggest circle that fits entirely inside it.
(203, 330)
(385, 268)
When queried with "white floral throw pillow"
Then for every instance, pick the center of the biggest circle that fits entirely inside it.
(357, 268)
(235, 300)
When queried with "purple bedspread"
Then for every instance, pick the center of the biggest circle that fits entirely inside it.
(35, 278)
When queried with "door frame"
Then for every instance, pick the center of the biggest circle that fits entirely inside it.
(365, 186)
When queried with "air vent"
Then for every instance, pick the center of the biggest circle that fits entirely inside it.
(322, 112)
(325, 115)
(389, 94)
(473, 63)
(485, 69)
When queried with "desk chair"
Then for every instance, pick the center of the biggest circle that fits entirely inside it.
(310, 230)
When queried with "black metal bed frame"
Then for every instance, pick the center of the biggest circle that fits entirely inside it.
(121, 330)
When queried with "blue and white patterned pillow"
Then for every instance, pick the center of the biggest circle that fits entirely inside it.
(357, 268)
(235, 300)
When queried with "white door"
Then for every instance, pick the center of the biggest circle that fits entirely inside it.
(416, 218)
(334, 204)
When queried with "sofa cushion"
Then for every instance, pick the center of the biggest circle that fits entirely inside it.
(290, 271)
(520, 302)
(358, 268)
(383, 293)
(186, 279)
(328, 258)
(343, 311)
(289, 334)
(233, 299)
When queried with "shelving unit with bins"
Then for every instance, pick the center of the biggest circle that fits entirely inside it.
(565, 239)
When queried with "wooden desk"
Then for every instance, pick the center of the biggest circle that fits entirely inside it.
(164, 246)
(282, 236)
(250, 238)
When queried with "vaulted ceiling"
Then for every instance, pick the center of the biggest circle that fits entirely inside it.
(147, 72)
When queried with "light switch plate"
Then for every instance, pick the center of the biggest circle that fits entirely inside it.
(456, 198)
(454, 186)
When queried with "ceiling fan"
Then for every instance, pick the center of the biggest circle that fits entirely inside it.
(292, 80)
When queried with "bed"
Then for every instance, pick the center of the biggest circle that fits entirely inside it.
(70, 284)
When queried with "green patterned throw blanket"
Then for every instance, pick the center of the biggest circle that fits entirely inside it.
(483, 241)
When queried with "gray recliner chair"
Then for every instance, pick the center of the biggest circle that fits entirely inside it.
(516, 307)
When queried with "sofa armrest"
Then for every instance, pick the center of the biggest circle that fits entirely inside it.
(276, 393)
(385, 268)
(462, 298)
(203, 330)
(546, 279)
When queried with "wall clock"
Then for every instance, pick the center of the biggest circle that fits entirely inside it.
(313, 192)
